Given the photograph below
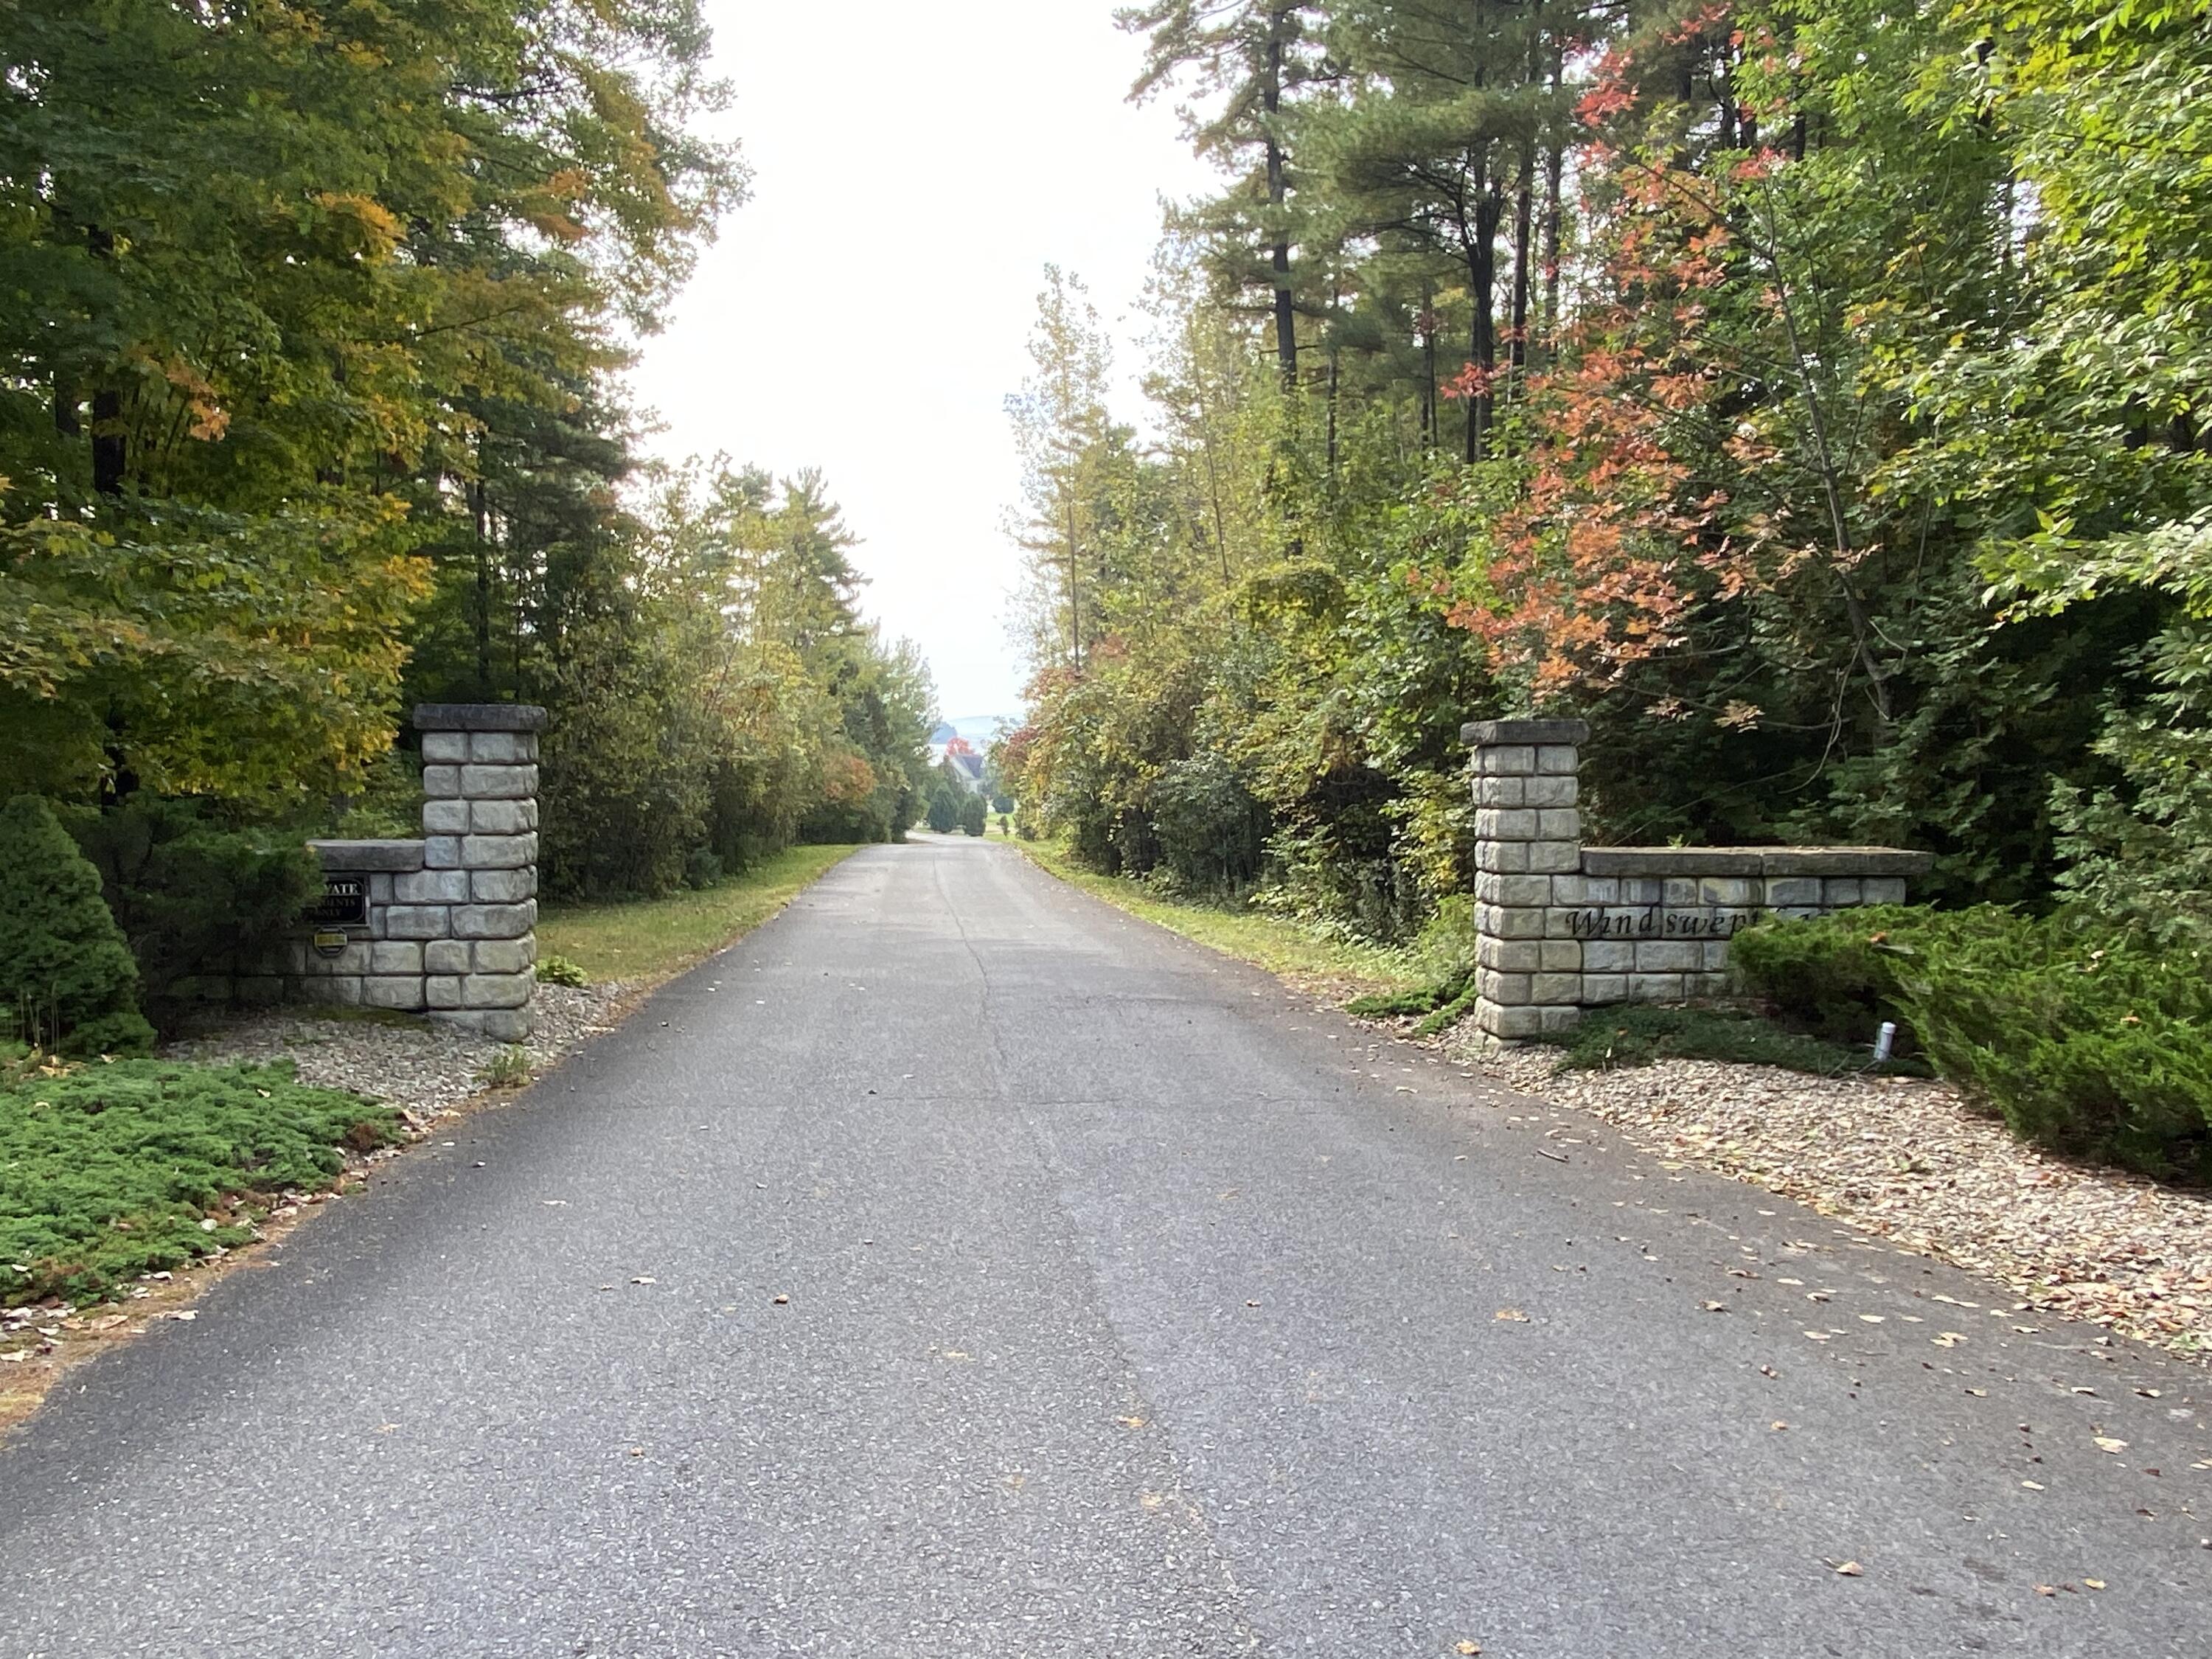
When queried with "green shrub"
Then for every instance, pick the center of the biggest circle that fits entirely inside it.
(943, 811)
(1636, 1036)
(2088, 1039)
(192, 893)
(108, 1171)
(702, 868)
(1210, 831)
(1827, 978)
(66, 976)
(559, 970)
(972, 816)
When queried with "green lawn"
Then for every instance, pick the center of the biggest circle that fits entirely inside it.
(111, 1170)
(1339, 968)
(646, 940)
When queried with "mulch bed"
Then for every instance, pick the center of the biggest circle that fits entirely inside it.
(1916, 1163)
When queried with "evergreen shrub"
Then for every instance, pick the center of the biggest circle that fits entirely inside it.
(2089, 1039)
(972, 815)
(192, 893)
(67, 979)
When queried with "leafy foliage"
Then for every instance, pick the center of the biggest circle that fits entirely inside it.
(66, 976)
(559, 970)
(1809, 395)
(109, 1171)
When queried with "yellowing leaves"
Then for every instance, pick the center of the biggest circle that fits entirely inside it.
(362, 225)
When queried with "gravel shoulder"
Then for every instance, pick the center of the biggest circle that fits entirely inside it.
(1915, 1162)
(426, 1069)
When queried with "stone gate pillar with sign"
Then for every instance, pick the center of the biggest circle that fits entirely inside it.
(1561, 927)
(445, 925)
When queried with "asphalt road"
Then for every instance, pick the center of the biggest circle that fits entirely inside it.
(1135, 1308)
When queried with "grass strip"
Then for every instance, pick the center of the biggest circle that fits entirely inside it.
(1307, 958)
(111, 1170)
(646, 940)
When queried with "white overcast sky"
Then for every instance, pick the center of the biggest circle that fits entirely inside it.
(867, 311)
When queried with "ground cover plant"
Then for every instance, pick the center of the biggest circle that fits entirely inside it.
(2089, 1038)
(111, 1170)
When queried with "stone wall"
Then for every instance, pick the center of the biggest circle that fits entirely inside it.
(1561, 927)
(449, 922)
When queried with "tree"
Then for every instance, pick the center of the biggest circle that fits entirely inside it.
(1067, 450)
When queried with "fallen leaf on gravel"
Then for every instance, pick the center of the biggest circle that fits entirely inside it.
(1716, 1307)
(2045, 1589)
(185, 1315)
(2073, 1239)
(2094, 1584)
(1848, 1569)
(1513, 1315)
(1131, 1422)
(1818, 1336)
(1466, 1647)
(1949, 1339)
(2033, 1485)
(2105, 1443)
(638, 1451)
(1870, 1319)
(781, 1301)
(1778, 1426)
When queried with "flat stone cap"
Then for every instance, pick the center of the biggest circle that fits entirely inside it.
(1483, 734)
(1754, 861)
(361, 856)
(478, 717)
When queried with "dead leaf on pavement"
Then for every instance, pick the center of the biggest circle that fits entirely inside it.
(1847, 1569)
(1513, 1316)
(2105, 1443)
(1466, 1647)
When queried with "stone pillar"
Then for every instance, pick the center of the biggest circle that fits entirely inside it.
(475, 902)
(1529, 862)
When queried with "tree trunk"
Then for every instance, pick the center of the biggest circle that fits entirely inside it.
(1074, 592)
(479, 511)
(109, 456)
(1270, 99)
(1555, 162)
(1523, 206)
(1482, 286)
(1428, 378)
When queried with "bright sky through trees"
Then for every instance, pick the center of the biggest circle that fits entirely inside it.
(963, 146)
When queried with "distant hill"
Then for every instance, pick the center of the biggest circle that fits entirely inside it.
(978, 729)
